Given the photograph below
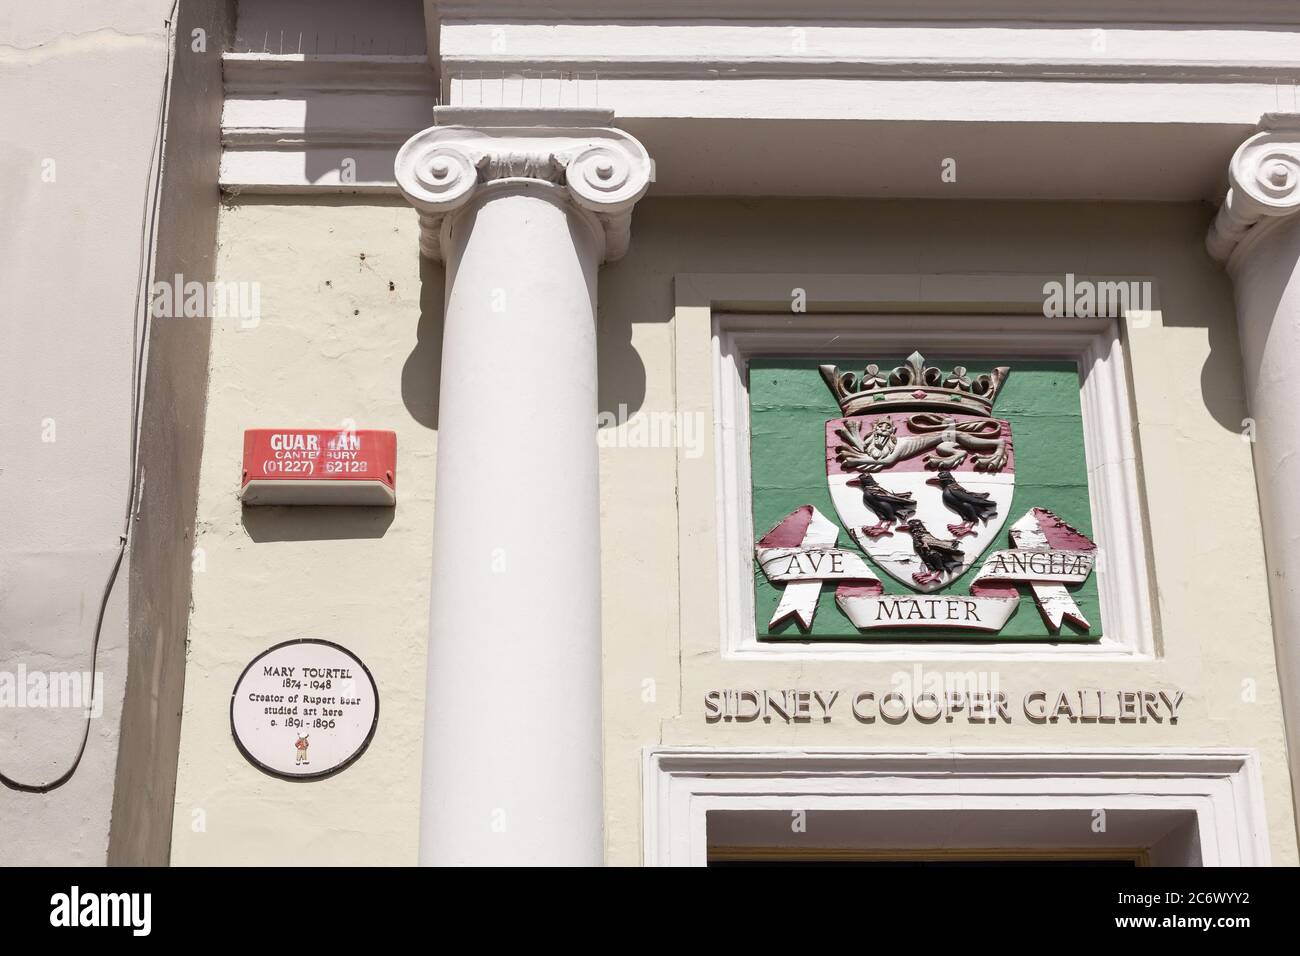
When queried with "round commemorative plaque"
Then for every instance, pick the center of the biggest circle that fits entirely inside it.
(304, 709)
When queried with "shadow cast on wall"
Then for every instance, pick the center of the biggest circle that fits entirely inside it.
(422, 370)
(1203, 298)
(621, 383)
(315, 522)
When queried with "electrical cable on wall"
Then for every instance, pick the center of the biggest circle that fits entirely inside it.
(139, 348)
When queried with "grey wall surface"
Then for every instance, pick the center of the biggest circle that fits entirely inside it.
(171, 443)
(80, 88)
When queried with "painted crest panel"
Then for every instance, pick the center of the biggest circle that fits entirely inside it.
(915, 513)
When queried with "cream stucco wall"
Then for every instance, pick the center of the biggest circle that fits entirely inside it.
(335, 342)
(351, 578)
(1212, 597)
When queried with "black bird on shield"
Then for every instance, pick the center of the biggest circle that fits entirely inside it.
(888, 506)
(970, 506)
(938, 555)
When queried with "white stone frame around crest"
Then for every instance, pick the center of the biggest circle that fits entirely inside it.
(729, 319)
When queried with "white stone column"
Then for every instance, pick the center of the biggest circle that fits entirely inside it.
(522, 206)
(1257, 236)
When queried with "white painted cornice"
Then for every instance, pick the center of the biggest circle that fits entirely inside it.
(952, 51)
(301, 123)
(469, 67)
(601, 170)
(1240, 12)
(1026, 109)
(1263, 185)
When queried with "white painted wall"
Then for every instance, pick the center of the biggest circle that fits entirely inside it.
(79, 94)
(660, 590)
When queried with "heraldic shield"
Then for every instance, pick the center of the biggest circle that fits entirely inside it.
(920, 473)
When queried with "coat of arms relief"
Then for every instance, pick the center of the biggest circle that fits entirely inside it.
(922, 478)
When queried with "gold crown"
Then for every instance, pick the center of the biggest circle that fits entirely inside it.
(914, 385)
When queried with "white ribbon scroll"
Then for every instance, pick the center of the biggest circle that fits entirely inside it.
(800, 553)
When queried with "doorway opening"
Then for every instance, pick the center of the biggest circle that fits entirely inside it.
(894, 837)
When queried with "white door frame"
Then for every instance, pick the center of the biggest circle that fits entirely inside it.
(1219, 789)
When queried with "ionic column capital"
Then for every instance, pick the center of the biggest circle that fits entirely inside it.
(599, 169)
(1263, 184)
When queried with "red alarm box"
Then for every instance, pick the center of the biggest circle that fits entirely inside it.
(314, 466)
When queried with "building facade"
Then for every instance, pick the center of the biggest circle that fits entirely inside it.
(670, 434)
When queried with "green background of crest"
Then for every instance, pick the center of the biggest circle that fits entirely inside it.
(789, 406)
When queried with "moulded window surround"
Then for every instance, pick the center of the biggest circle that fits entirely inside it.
(977, 316)
(1170, 807)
